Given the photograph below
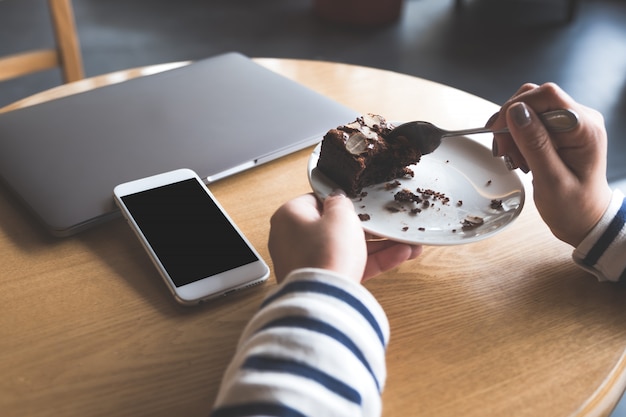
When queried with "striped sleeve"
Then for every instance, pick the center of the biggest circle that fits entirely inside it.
(603, 251)
(316, 347)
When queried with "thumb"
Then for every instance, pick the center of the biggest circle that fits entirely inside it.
(534, 142)
(337, 205)
(345, 245)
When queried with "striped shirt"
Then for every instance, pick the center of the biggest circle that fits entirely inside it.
(316, 347)
(603, 251)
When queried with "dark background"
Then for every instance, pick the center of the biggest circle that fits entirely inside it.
(489, 48)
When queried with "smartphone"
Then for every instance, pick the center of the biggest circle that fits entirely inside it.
(196, 247)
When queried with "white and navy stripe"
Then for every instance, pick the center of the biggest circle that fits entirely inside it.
(256, 409)
(333, 291)
(308, 351)
(603, 251)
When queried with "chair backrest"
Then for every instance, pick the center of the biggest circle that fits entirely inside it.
(65, 56)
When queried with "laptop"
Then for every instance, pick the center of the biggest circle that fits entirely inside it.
(217, 116)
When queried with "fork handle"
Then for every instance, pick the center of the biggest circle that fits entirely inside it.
(559, 120)
(555, 121)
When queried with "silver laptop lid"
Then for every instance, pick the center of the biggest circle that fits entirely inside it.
(217, 116)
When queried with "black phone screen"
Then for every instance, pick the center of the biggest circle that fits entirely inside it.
(188, 232)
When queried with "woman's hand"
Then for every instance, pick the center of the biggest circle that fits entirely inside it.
(329, 235)
(569, 169)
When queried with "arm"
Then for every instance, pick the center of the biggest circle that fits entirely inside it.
(316, 347)
(569, 176)
(603, 251)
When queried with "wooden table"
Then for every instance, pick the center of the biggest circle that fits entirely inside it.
(504, 327)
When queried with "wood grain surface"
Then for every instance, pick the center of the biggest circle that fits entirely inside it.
(507, 326)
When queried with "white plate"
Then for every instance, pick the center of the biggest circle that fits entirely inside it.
(461, 169)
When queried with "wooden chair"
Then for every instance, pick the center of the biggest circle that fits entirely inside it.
(65, 56)
(68, 58)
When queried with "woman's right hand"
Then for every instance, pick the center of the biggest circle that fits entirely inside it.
(569, 169)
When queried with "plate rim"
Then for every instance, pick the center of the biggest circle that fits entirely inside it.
(514, 214)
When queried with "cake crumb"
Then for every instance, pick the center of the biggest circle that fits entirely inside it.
(407, 196)
(408, 172)
(496, 204)
(471, 222)
(392, 185)
(364, 217)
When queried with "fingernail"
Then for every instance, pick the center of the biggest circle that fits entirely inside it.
(494, 147)
(492, 119)
(337, 192)
(508, 162)
(521, 115)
